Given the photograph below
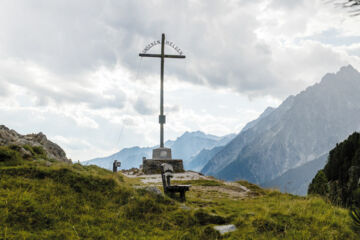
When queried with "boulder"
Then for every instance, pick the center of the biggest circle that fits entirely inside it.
(154, 190)
(225, 228)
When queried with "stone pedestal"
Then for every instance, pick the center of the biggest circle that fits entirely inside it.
(161, 153)
(160, 156)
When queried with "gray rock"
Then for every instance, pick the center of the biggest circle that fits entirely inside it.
(184, 207)
(25, 153)
(11, 137)
(225, 228)
(153, 190)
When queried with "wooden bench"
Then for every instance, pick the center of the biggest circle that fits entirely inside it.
(166, 174)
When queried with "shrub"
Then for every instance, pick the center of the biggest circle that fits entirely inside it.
(341, 172)
(36, 151)
(319, 184)
(9, 157)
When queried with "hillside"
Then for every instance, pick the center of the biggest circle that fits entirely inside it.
(297, 180)
(301, 129)
(45, 199)
(200, 160)
(339, 179)
(11, 137)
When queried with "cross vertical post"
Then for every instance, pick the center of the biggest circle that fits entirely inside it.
(162, 116)
(162, 56)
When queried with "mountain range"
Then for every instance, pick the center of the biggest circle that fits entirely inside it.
(303, 128)
(297, 180)
(185, 147)
(282, 148)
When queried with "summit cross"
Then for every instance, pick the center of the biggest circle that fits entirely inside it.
(162, 56)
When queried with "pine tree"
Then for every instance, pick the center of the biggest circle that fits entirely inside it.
(340, 178)
(319, 184)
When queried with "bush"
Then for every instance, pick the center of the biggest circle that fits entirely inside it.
(37, 151)
(341, 172)
(319, 184)
(9, 157)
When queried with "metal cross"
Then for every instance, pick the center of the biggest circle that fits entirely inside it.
(162, 56)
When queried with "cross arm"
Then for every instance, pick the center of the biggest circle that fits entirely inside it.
(159, 55)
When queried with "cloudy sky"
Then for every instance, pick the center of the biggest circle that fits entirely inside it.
(71, 69)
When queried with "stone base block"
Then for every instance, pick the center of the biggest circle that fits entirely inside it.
(161, 153)
(152, 166)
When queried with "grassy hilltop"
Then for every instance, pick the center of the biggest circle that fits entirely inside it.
(44, 199)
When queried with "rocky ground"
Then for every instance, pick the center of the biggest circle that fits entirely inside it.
(200, 186)
(156, 178)
(11, 137)
(208, 184)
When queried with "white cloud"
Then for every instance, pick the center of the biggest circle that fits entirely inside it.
(144, 106)
(71, 68)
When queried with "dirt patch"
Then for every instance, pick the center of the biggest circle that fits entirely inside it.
(229, 189)
(231, 192)
(156, 178)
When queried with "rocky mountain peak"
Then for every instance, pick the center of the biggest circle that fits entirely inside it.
(346, 74)
(348, 69)
(301, 129)
(11, 137)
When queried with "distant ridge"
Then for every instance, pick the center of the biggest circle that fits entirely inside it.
(201, 159)
(185, 147)
(301, 129)
(297, 180)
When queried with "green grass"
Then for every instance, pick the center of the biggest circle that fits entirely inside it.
(40, 199)
(281, 216)
(255, 189)
(9, 157)
(200, 182)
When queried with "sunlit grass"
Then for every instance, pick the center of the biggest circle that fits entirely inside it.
(39, 200)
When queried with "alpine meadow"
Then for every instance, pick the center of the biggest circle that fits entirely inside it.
(180, 120)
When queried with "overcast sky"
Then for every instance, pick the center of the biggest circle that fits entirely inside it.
(71, 69)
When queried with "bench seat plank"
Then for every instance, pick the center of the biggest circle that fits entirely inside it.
(176, 188)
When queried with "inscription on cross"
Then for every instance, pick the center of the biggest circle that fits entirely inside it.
(162, 57)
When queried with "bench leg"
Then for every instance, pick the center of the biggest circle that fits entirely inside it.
(182, 196)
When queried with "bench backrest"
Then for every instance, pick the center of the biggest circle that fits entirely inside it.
(166, 173)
